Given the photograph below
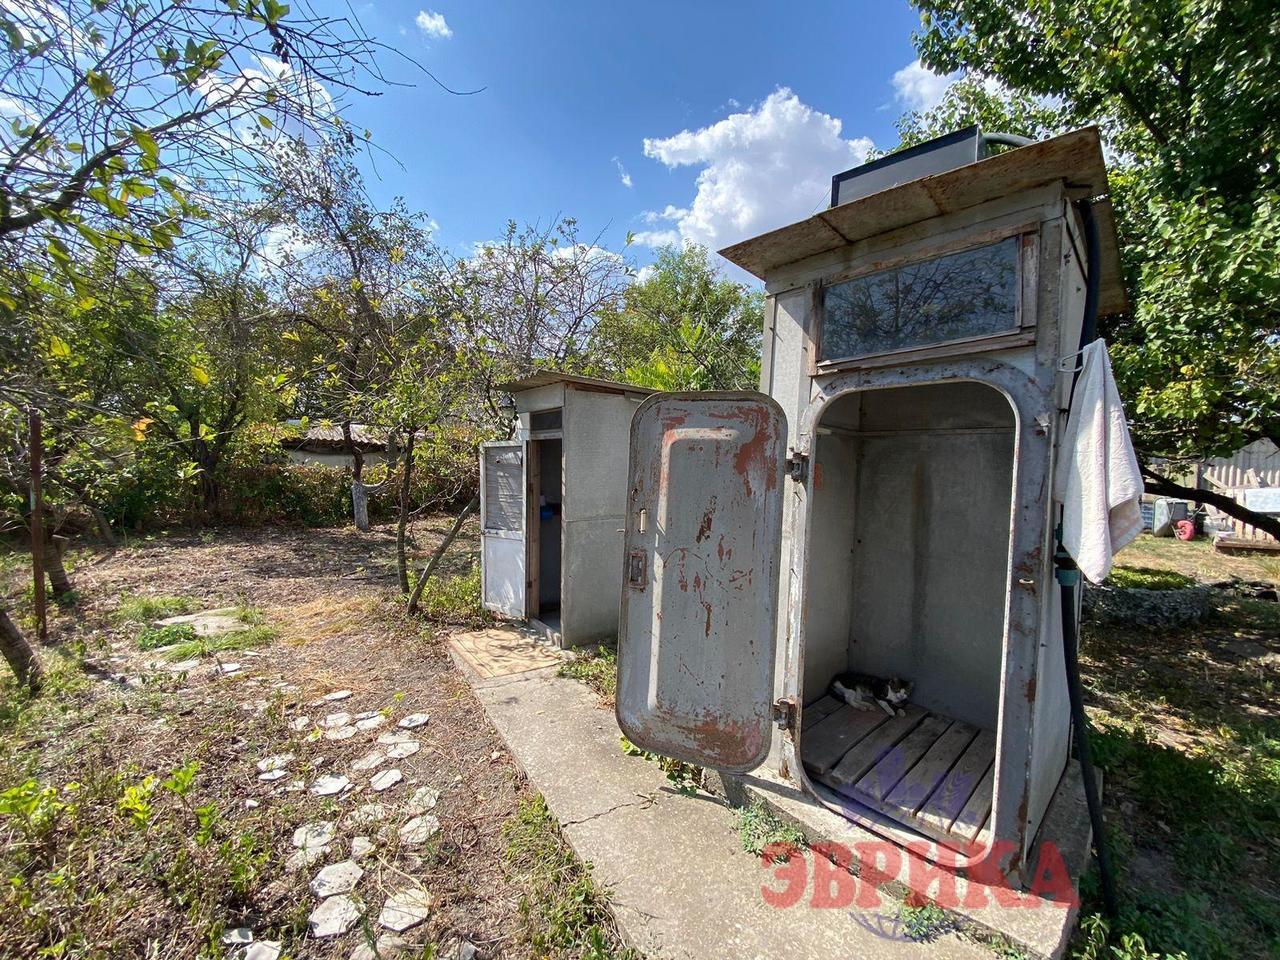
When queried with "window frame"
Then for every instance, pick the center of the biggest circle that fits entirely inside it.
(1020, 333)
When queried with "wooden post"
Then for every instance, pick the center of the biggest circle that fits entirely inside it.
(37, 527)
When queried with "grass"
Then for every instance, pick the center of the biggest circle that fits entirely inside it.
(153, 638)
(147, 609)
(925, 922)
(598, 669)
(685, 777)
(759, 829)
(1197, 559)
(565, 914)
(1147, 578)
(221, 643)
(454, 599)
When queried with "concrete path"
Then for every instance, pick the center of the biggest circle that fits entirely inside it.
(681, 884)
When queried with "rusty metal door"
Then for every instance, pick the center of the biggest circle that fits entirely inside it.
(699, 599)
(502, 527)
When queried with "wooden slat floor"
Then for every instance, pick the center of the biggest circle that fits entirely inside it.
(922, 769)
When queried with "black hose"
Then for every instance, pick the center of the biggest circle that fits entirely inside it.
(1068, 575)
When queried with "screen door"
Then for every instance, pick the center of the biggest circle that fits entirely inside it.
(502, 527)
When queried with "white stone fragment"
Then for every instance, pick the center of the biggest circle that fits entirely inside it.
(393, 737)
(386, 947)
(273, 775)
(371, 723)
(264, 950)
(301, 859)
(340, 733)
(230, 668)
(276, 762)
(406, 748)
(336, 696)
(300, 723)
(337, 878)
(237, 937)
(412, 720)
(330, 784)
(251, 804)
(423, 799)
(182, 666)
(368, 814)
(460, 950)
(405, 909)
(334, 917)
(295, 786)
(419, 829)
(368, 713)
(361, 847)
(385, 780)
(338, 719)
(375, 758)
(318, 833)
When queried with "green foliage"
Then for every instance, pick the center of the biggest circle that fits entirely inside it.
(1146, 578)
(598, 669)
(685, 777)
(682, 327)
(454, 599)
(565, 914)
(34, 807)
(924, 922)
(758, 829)
(152, 638)
(198, 646)
(146, 609)
(1096, 943)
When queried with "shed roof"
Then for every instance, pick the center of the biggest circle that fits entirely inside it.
(543, 378)
(1075, 158)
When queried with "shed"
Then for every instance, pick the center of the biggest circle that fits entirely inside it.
(324, 445)
(883, 506)
(552, 503)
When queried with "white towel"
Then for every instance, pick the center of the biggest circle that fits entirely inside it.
(1097, 478)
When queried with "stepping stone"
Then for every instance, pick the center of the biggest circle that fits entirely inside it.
(419, 829)
(371, 723)
(368, 713)
(208, 623)
(264, 950)
(298, 724)
(361, 847)
(403, 749)
(277, 762)
(295, 786)
(301, 859)
(340, 733)
(393, 737)
(405, 909)
(337, 878)
(370, 760)
(385, 780)
(336, 720)
(387, 946)
(237, 937)
(229, 668)
(423, 799)
(182, 666)
(319, 833)
(335, 696)
(368, 814)
(413, 720)
(273, 775)
(329, 785)
(460, 950)
(334, 917)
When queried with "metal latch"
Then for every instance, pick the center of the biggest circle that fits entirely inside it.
(784, 713)
(798, 466)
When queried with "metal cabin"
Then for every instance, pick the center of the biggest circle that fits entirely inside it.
(885, 509)
(551, 506)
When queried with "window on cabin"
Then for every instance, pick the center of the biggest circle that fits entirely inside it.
(546, 420)
(959, 296)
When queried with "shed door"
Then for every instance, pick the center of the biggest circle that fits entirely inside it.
(699, 601)
(502, 527)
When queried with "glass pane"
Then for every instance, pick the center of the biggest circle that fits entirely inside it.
(546, 420)
(973, 293)
(503, 489)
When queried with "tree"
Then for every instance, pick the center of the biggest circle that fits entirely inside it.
(1188, 98)
(683, 327)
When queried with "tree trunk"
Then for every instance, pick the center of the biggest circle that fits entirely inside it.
(1164, 487)
(360, 505)
(402, 522)
(22, 659)
(104, 528)
(439, 551)
(58, 578)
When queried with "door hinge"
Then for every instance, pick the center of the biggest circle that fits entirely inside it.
(784, 713)
(798, 466)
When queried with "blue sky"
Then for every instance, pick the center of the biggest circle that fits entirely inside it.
(723, 116)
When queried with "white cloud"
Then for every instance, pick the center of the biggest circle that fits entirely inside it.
(622, 173)
(919, 88)
(761, 169)
(433, 24)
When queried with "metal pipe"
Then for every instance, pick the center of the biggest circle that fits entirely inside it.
(1008, 139)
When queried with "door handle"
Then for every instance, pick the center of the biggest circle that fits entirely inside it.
(636, 563)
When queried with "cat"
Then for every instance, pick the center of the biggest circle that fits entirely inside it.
(863, 691)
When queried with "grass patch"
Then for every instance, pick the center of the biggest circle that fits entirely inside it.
(235, 640)
(153, 638)
(1148, 578)
(454, 599)
(146, 609)
(564, 912)
(598, 670)
(924, 922)
(758, 829)
(685, 777)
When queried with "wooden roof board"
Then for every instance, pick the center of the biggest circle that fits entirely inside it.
(543, 378)
(1075, 158)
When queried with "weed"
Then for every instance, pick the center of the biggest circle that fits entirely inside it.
(1096, 943)
(759, 829)
(146, 609)
(684, 776)
(924, 922)
(153, 638)
(219, 643)
(454, 599)
(1148, 578)
(598, 669)
(565, 914)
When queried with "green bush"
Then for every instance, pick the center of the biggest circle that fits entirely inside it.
(454, 599)
(139, 609)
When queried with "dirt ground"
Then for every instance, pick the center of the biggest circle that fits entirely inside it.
(118, 889)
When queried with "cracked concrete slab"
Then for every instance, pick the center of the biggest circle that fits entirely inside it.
(681, 884)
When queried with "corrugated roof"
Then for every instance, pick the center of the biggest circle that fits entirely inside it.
(544, 378)
(1075, 158)
(328, 434)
